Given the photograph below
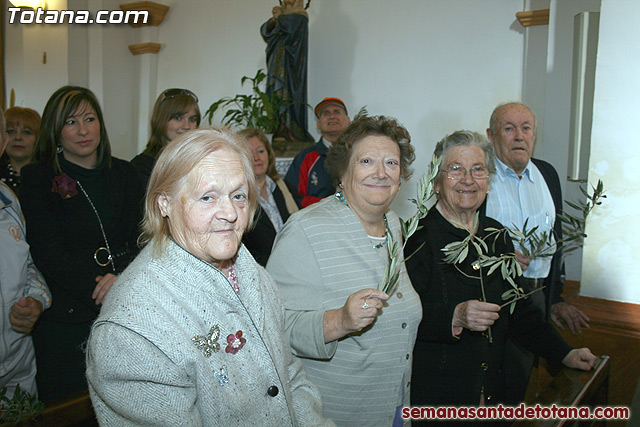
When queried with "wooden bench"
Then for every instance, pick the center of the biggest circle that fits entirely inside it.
(568, 388)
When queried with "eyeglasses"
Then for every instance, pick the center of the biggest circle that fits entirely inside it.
(172, 93)
(458, 172)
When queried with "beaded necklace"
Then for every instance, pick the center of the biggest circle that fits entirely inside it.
(233, 279)
(13, 180)
(341, 198)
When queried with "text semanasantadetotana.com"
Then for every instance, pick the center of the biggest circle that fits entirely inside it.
(521, 412)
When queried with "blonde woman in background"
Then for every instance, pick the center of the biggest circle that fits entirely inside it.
(175, 112)
(23, 127)
(276, 201)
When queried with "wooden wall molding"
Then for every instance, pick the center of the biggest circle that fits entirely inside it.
(614, 331)
(140, 48)
(157, 12)
(620, 316)
(533, 17)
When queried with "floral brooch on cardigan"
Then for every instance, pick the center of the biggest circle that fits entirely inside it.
(236, 342)
(65, 186)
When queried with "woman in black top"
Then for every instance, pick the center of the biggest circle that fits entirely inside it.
(82, 207)
(23, 126)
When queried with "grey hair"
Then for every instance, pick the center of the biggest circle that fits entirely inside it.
(172, 170)
(469, 139)
(493, 120)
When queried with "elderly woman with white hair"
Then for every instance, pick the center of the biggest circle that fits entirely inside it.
(192, 333)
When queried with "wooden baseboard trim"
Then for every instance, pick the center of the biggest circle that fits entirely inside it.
(621, 317)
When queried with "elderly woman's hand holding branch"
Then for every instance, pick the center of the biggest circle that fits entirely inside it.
(360, 310)
(475, 316)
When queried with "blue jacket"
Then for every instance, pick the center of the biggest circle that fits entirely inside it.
(308, 177)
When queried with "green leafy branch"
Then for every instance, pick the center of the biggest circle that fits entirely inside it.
(456, 252)
(255, 110)
(425, 192)
(574, 227)
(541, 244)
(21, 406)
(535, 244)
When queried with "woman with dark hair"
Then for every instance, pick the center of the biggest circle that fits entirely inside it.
(355, 341)
(175, 112)
(23, 126)
(82, 207)
(276, 201)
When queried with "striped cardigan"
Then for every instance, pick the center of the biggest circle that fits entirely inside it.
(320, 257)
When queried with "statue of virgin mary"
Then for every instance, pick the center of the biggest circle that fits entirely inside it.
(287, 37)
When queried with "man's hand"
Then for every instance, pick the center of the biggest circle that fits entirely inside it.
(24, 314)
(580, 358)
(563, 312)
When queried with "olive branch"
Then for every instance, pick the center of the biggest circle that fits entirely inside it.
(541, 244)
(425, 192)
(456, 252)
(535, 245)
(21, 406)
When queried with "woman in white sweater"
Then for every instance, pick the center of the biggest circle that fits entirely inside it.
(192, 332)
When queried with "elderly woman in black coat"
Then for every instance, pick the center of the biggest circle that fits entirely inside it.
(459, 351)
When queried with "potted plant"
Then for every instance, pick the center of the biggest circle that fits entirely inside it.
(255, 110)
(20, 408)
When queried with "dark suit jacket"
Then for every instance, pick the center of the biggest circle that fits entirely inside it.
(260, 239)
(554, 283)
(64, 235)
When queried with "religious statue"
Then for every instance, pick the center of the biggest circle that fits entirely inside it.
(287, 37)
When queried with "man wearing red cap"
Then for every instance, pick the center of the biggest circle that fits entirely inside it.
(307, 174)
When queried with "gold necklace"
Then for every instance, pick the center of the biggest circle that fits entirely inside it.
(104, 235)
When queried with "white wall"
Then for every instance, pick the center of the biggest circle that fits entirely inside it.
(25, 73)
(437, 65)
(612, 250)
(553, 138)
(95, 56)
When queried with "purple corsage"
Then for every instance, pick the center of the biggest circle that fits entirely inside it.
(236, 342)
(65, 186)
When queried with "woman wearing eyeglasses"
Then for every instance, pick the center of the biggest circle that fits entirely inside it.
(175, 112)
(82, 208)
(457, 359)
